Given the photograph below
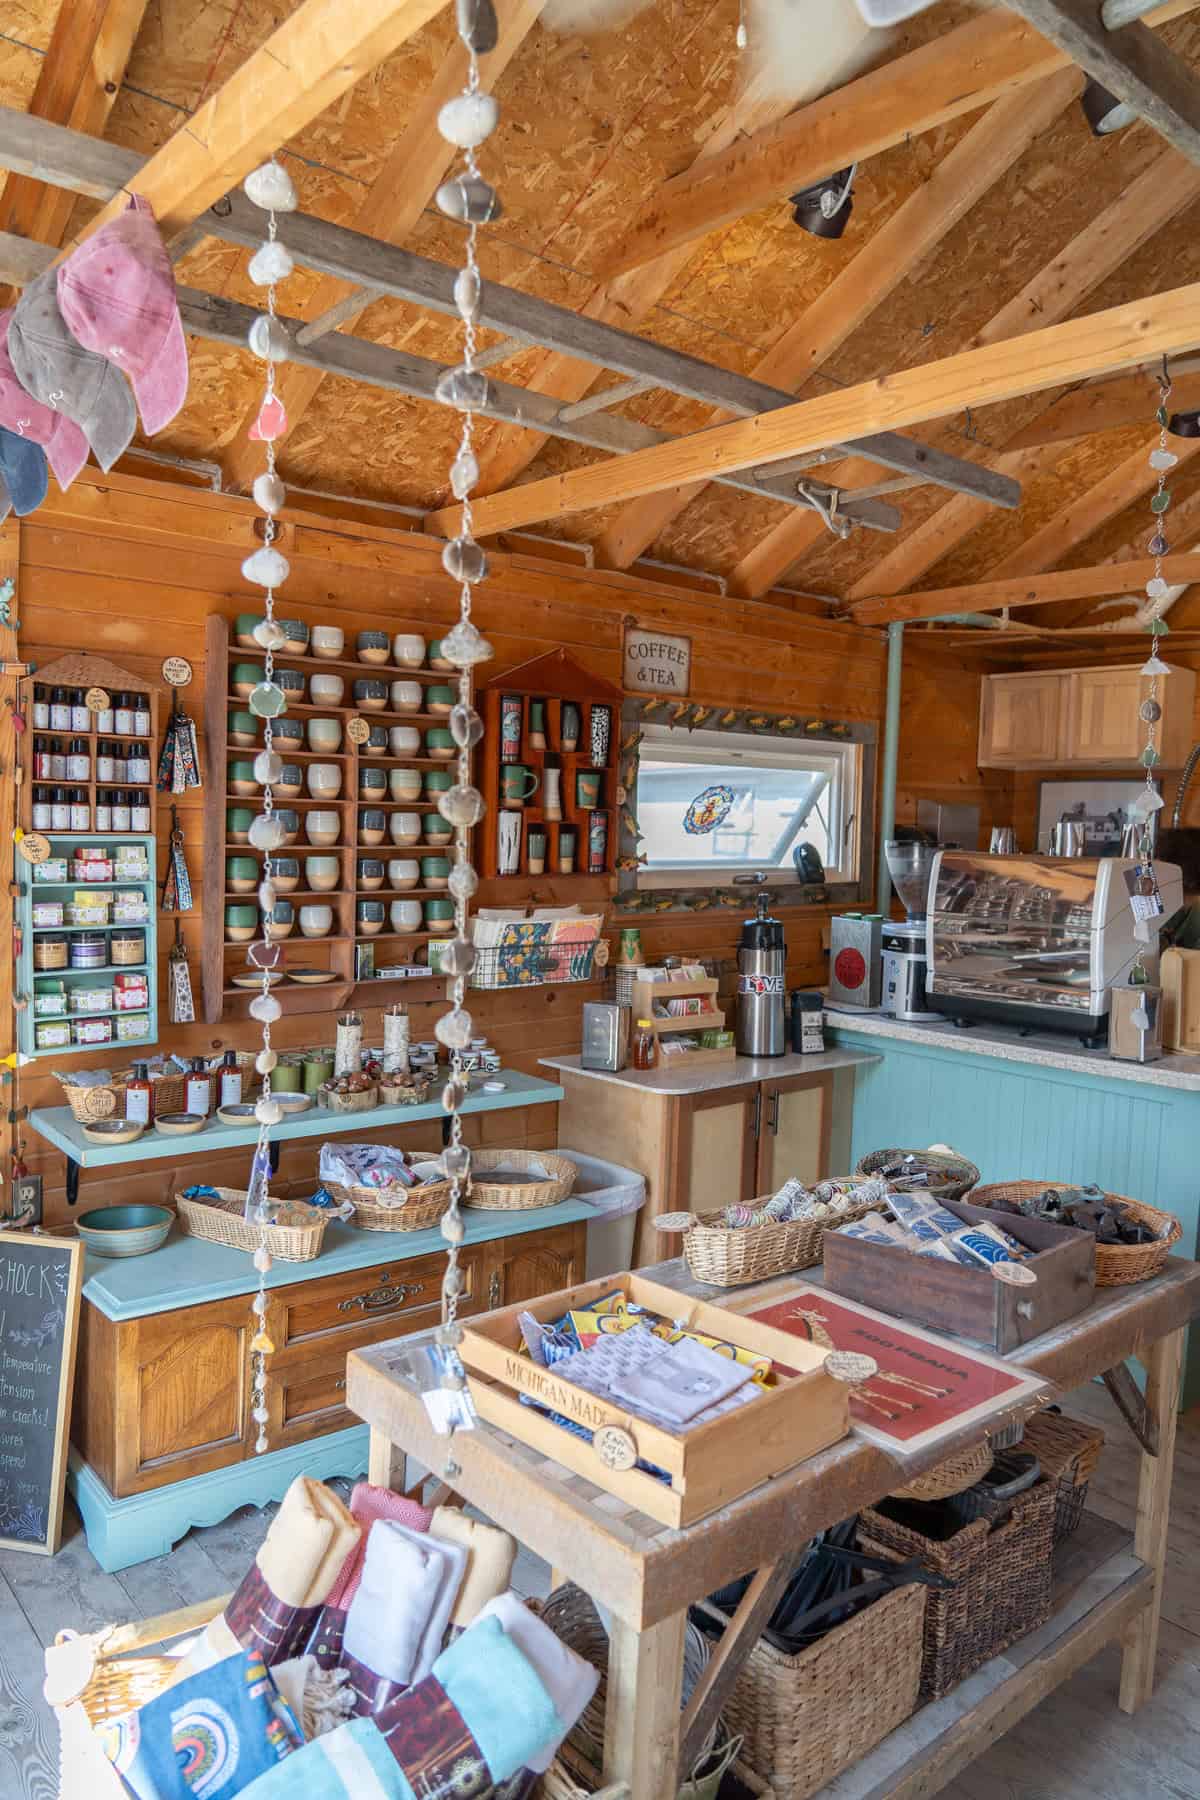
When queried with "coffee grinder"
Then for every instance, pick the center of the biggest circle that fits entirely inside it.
(903, 946)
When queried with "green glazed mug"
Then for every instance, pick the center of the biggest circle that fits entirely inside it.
(440, 699)
(518, 784)
(238, 820)
(243, 728)
(434, 826)
(439, 915)
(245, 678)
(439, 742)
(241, 922)
(437, 781)
(241, 874)
(435, 871)
(287, 1077)
(241, 778)
(243, 630)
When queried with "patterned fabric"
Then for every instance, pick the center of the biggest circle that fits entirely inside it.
(371, 1691)
(432, 1743)
(325, 1644)
(260, 1621)
(351, 1763)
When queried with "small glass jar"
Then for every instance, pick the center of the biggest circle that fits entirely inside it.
(104, 720)
(88, 950)
(49, 952)
(41, 759)
(127, 947)
(106, 769)
(645, 1046)
(81, 810)
(103, 813)
(58, 762)
(79, 762)
(139, 812)
(139, 765)
(60, 710)
(43, 817)
(121, 820)
(120, 763)
(141, 716)
(60, 810)
(41, 707)
(81, 718)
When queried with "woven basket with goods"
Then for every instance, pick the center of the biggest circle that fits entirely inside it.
(954, 1476)
(733, 1255)
(951, 1175)
(1068, 1451)
(520, 1196)
(294, 1235)
(1117, 1265)
(107, 1100)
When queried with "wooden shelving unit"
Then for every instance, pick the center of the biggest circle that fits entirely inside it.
(335, 952)
(648, 994)
(91, 672)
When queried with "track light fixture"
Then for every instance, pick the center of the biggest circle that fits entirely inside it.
(1103, 111)
(823, 210)
(1184, 424)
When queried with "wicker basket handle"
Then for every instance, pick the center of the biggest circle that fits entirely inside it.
(675, 1222)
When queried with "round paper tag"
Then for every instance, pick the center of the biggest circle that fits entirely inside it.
(96, 700)
(850, 1367)
(358, 731)
(177, 671)
(98, 1103)
(1015, 1274)
(615, 1447)
(33, 847)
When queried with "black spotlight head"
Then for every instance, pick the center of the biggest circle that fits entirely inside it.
(1103, 111)
(824, 209)
(1184, 424)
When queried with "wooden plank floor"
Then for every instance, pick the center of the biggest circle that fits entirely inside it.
(1075, 1746)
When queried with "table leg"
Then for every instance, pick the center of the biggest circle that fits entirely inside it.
(1163, 1365)
(641, 1727)
(385, 1462)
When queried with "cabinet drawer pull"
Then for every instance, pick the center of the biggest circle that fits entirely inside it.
(757, 1111)
(339, 1387)
(494, 1289)
(375, 1299)
(773, 1121)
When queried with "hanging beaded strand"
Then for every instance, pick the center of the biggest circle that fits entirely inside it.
(466, 121)
(271, 188)
(1162, 460)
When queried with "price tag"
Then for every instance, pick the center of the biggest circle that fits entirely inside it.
(358, 731)
(32, 847)
(177, 671)
(97, 700)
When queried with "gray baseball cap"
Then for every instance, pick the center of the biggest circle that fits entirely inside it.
(60, 373)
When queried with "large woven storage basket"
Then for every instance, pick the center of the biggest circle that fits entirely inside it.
(518, 1196)
(733, 1255)
(294, 1235)
(1068, 1450)
(1000, 1583)
(1117, 1265)
(804, 1718)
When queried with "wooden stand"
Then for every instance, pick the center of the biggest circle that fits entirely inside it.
(646, 994)
(91, 672)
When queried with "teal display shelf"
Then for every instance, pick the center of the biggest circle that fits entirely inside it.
(61, 844)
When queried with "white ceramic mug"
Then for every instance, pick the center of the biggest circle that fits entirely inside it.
(324, 735)
(403, 872)
(316, 921)
(406, 915)
(327, 641)
(404, 740)
(324, 780)
(322, 873)
(322, 827)
(408, 650)
(325, 690)
(407, 696)
(405, 827)
(404, 784)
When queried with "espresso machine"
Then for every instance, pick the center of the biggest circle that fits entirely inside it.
(903, 945)
(762, 964)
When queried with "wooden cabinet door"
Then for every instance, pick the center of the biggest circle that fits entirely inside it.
(794, 1135)
(717, 1154)
(1102, 716)
(1020, 721)
(537, 1262)
(182, 1393)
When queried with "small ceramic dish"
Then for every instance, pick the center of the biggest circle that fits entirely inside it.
(310, 978)
(125, 1230)
(180, 1124)
(293, 1103)
(254, 978)
(237, 1114)
(113, 1131)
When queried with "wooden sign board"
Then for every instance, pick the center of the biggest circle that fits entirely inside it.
(40, 1278)
(656, 664)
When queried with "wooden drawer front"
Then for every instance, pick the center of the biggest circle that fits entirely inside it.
(407, 1295)
(307, 1400)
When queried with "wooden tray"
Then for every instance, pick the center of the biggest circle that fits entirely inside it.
(708, 1467)
(970, 1303)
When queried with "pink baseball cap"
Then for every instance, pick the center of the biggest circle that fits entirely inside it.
(117, 295)
(64, 443)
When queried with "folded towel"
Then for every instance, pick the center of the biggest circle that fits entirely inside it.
(276, 1605)
(400, 1614)
(567, 1677)
(490, 1557)
(352, 1763)
(367, 1504)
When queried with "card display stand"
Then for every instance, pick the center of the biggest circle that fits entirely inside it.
(344, 949)
(647, 994)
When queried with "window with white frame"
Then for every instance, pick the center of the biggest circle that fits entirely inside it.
(713, 805)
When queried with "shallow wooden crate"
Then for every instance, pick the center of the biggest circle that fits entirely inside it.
(971, 1303)
(805, 1412)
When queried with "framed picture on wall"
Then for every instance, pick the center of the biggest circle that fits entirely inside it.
(1104, 807)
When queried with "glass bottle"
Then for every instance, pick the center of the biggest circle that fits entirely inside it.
(231, 1080)
(60, 710)
(198, 1089)
(105, 764)
(104, 720)
(139, 812)
(141, 716)
(120, 763)
(139, 764)
(645, 1046)
(120, 810)
(41, 759)
(58, 762)
(81, 718)
(41, 706)
(81, 811)
(60, 810)
(104, 811)
(139, 1097)
(43, 819)
(79, 762)
(123, 716)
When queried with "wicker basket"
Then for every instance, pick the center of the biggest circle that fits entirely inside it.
(293, 1236)
(170, 1093)
(958, 1175)
(1068, 1450)
(806, 1717)
(1117, 1265)
(349, 1103)
(512, 1196)
(561, 1783)
(733, 1255)
(422, 1208)
(1001, 1583)
(954, 1476)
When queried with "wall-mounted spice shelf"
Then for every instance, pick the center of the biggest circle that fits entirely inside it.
(73, 677)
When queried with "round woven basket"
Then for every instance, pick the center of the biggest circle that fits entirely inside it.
(732, 1255)
(954, 1476)
(957, 1175)
(1117, 1265)
(422, 1207)
(517, 1196)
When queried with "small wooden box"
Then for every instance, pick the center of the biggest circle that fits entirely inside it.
(647, 993)
(971, 1303)
(709, 1466)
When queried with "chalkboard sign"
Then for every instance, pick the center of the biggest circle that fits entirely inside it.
(39, 1317)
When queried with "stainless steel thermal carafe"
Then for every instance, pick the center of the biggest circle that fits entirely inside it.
(762, 961)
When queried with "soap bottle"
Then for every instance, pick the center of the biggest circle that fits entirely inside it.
(198, 1091)
(231, 1080)
(139, 1097)
(645, 1046)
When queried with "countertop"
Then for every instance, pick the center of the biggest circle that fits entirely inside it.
(1046, 1049)
(707, 1079)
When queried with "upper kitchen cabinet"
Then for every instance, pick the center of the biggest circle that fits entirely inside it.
(1073, 718)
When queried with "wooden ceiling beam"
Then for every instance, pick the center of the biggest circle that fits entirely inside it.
(1110, 404)
(917, 226)
(1037, 590)
(1130, 62)
(957, 72)
(1163, 324)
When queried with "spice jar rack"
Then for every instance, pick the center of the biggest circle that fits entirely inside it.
(321, 973)
(73, 678)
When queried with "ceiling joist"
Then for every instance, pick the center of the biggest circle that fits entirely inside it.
(1037, 590)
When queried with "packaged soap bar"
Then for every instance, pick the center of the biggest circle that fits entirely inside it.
(133, 1025)
(129, 999)
(91, 1031)
(91, 1000)
(51, 1037)
(85, 853)
(47, 912)
(53, 869)
(984, 1244)
(50, 998)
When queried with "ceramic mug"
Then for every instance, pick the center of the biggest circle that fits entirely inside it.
(587, 789)
(327, 641)
(370, 872)
(518, 783)
(440, 700)
(241, 778)
(406, 915)
(372, 825)
(566, 850)
(404, 784)
(292, 681)
(238, 820)
(403, 872)
(535, 848)
(316, 921)
(404, 740)
(436, 659)
(324, 780)
(377, 741)
(372, 647)
(318, 1069)
(372, 782)
(322, 827)
(435, 871)
(325, 735)
(439, 915)
(436, 829)
(241, 874)
(326, 690)
(370, 915)
(371, 694)
(296, 633)
(285, 873)
(405, 827)
(440, 744)
(438, 781)
(290, 783)
(243, 630)
(241, 923)
(407, 696)
(245, 678)
(290, 821)
(408, 650)
(287, 1075)
(288, 731)
(322, 873)
(242, 728)
(282, 921)
(568, 730)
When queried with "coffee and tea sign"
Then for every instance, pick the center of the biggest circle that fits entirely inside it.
(655, 664)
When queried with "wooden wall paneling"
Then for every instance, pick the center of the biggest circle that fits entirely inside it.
(10, 692)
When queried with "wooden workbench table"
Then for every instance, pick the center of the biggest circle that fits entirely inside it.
(1106, 1586)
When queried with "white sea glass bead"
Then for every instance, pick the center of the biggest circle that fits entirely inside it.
(456, 1160)
(266, 832)
(468, 291)
(267, 700)
(454, 1029)
(467, 389)
(265, 1061)
(464, 645)
(270, 263)
(268, 1110)
(458, 957)
(266, 1009)
(463, 558)
(269, 493)
(268, 767)
(267, 896)
(263, 1260)
(1163, 459)
(269, 633)
(466, 726)
(462, 805)
(453, 1229)
(269, 340)
(468, 120)
(1156, 588)
(469, 199)
(271, 187)
(464, 473)
(463, 881)
(267, 567)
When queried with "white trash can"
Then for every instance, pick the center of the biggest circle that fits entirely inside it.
(617, 1195)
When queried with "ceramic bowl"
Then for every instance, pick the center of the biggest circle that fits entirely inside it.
(324, 735)
(285, 873)
(370, 916)
(322, 827)
(245, 678)
(403, 872)
(282, 921)
(405, 827)
(287, 732)
(370, 872)
(241, 922)
(439, 744)
(325, 690)
(290, 820)
(372, 647)
(435, 871)
(377, 741)
(406, 915)
(125, 1230)
(243, 630)
(316, 921)
(327, 641)
(241, 778)
(372, 825)
(436, 829)
(296, 632)
(371, 694)
(436, 659)
(408, 650)
(238, 820)
(242, 729)
(290, 783)
(407, 696)
(440, 700)
(404, 784)
(324, 780)
(404, 740)
(293, 682)
(241, 874)
(439, 915)
(322, 873)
